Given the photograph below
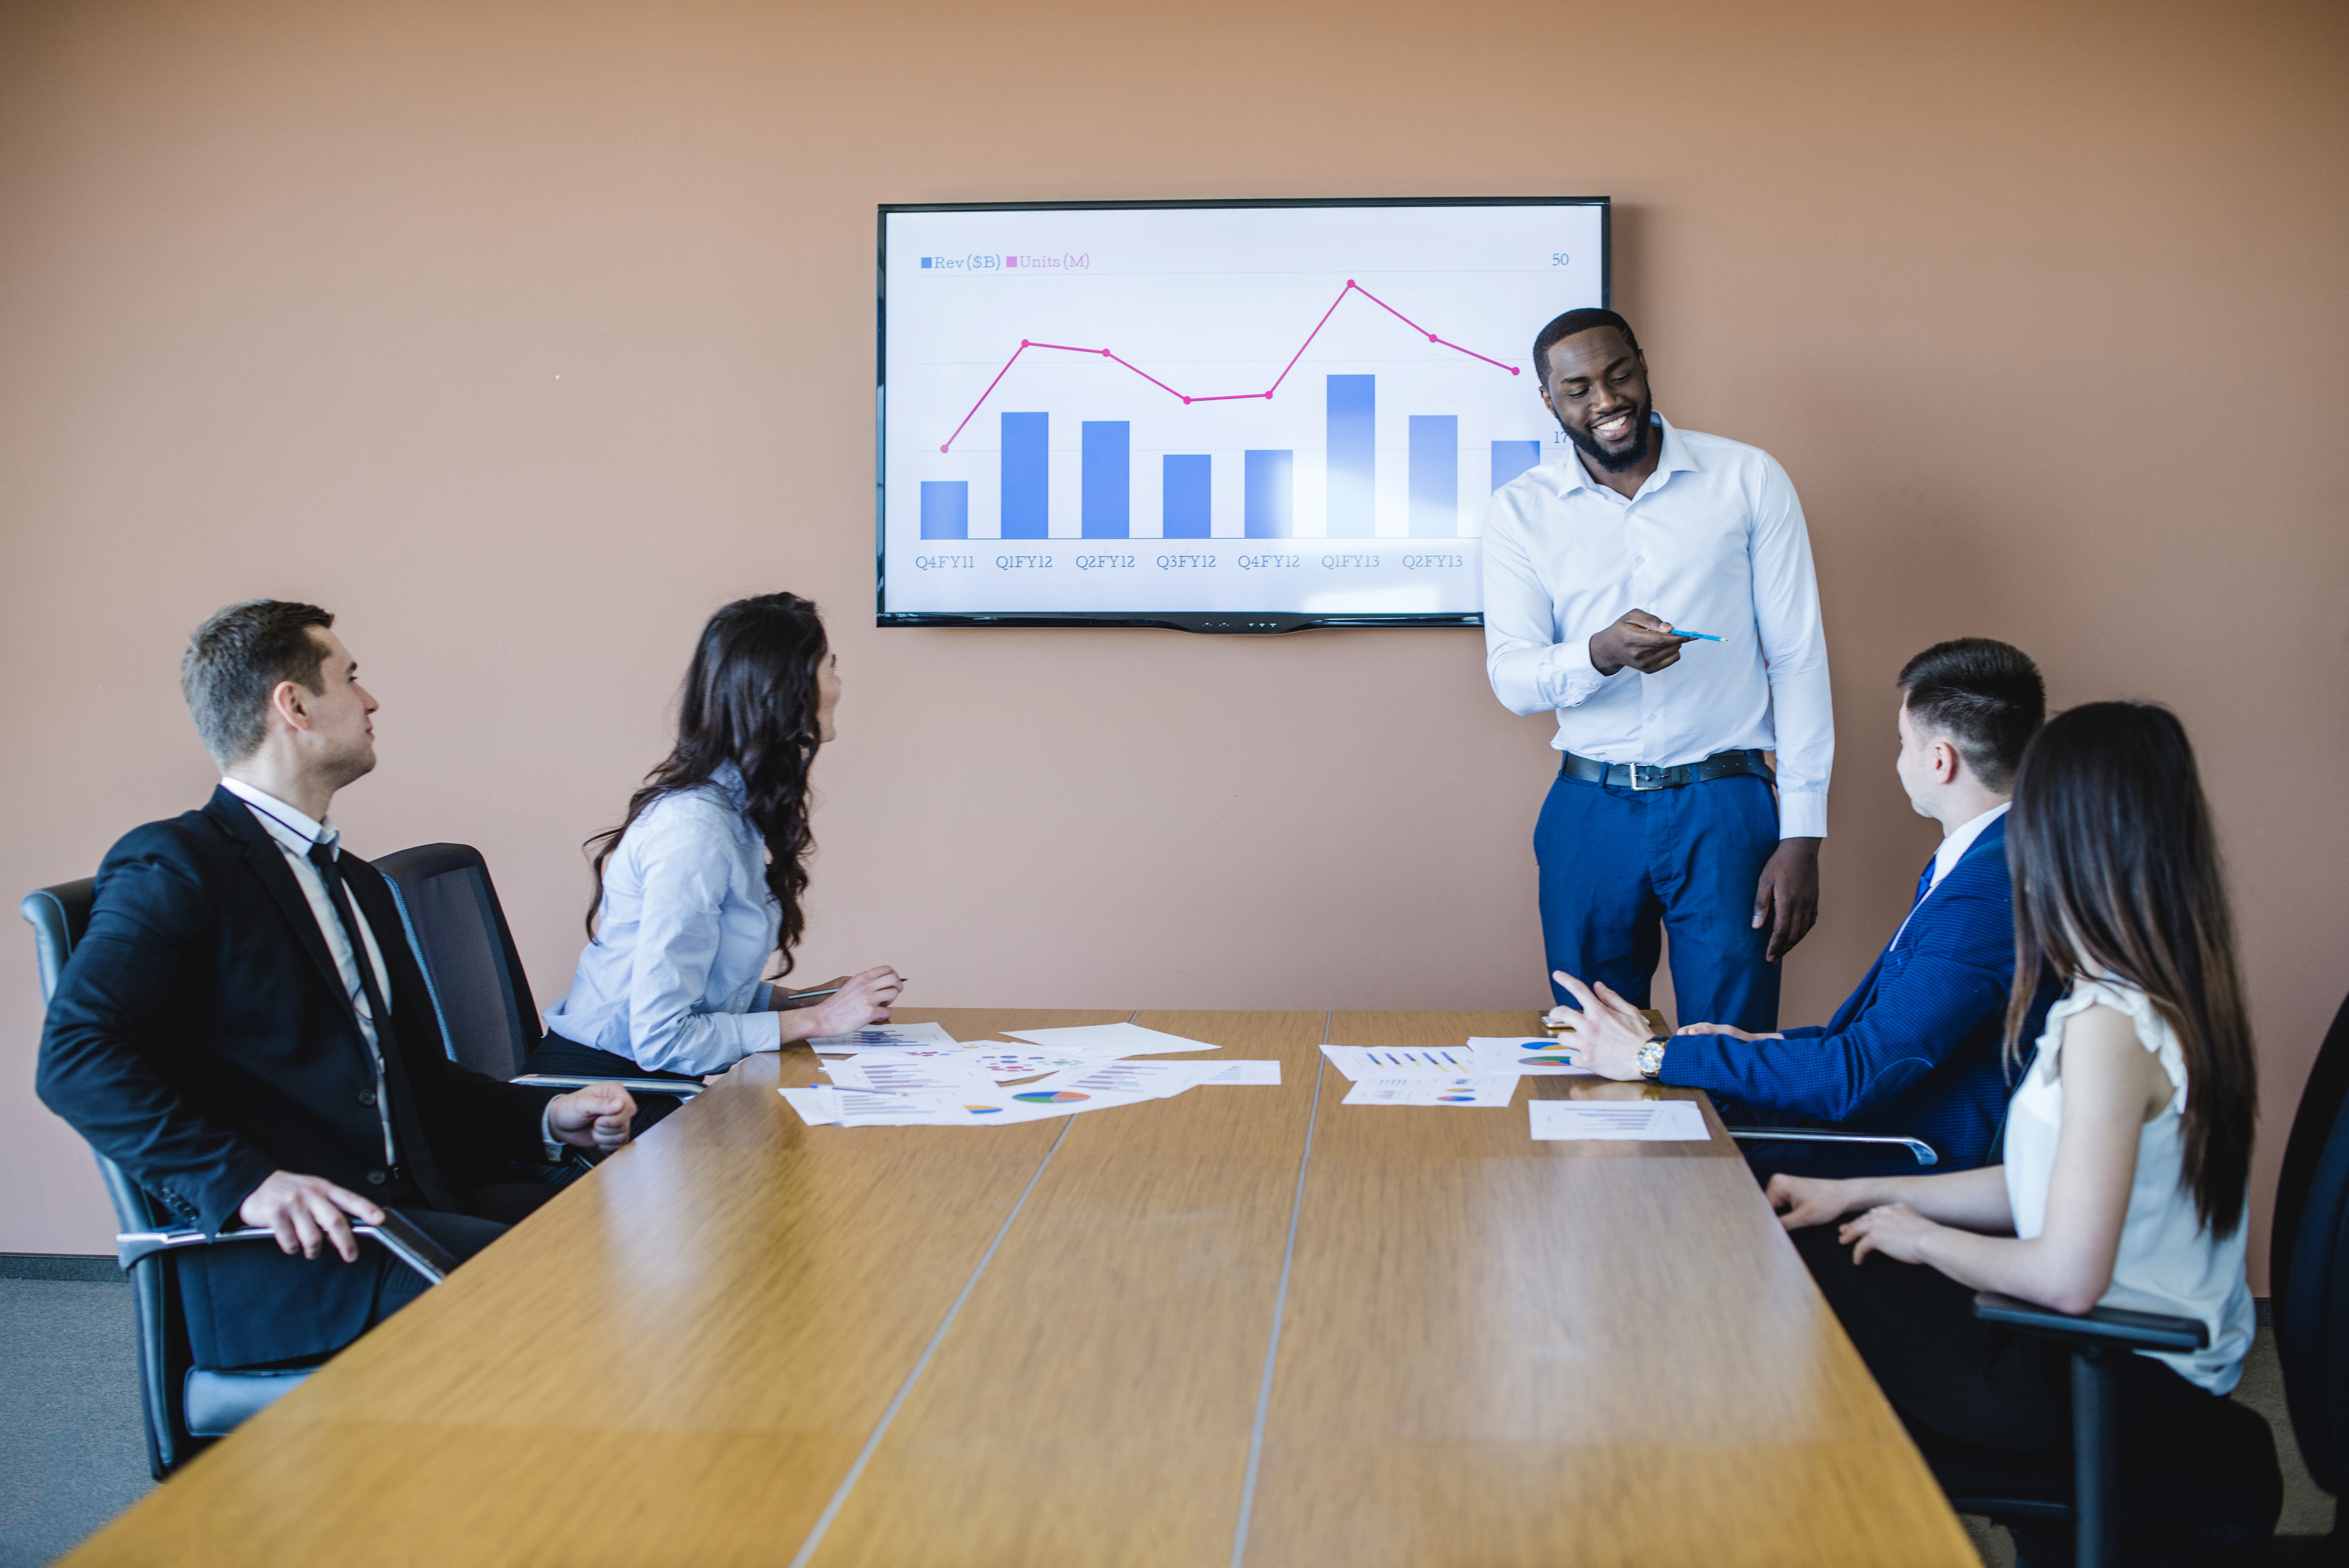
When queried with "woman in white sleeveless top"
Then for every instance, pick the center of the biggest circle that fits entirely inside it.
(2128, 1141)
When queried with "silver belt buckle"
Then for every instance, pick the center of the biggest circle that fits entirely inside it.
(1635, 776)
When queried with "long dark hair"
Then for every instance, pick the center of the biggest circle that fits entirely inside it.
(750, 699)
(2115, 869)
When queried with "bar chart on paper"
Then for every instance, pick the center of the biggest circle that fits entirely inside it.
(1094, 411)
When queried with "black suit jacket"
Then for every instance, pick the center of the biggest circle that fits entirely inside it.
(201, 1038)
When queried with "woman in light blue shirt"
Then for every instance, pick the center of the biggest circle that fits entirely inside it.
(701, 884)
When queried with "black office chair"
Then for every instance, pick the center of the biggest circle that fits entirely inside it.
(2228, 1501)
(489, 1021)
(184, 1407)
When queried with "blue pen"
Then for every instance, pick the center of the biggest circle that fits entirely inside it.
(1702, 637)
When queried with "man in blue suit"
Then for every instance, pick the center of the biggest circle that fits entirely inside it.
(1917, 1049)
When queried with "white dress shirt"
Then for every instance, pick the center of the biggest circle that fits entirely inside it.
(1714, 541)
(294, 833)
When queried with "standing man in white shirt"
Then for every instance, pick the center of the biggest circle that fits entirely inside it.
(1608, 574)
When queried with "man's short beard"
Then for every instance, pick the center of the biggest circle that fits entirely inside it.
(1589, 448)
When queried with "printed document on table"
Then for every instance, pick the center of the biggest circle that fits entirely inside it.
(1421, 1088)
(1524, 1054)
(1358, 1062)
(883, 1037)
(1123, 1082)
(991, 1059)
(815, 1104)
(932, 1075)
(1243, 1072)
(1110, 1040)
(1647, 1120)
(822, 1107)
(1004, 1063)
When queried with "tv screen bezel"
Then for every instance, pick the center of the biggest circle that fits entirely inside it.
(1234, 622)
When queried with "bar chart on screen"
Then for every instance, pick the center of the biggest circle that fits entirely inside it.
(1231, 408)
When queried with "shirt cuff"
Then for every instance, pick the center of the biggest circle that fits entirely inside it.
(553, 1145)
(1569, 676)
(1802, 814)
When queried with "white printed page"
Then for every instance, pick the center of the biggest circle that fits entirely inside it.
(1487, 1089)
(1641, 1120)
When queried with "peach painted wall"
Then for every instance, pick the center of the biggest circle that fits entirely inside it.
(523, 335)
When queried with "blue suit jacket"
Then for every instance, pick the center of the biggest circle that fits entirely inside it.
(1917, 1049)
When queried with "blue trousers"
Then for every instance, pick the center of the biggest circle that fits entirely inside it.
(1620, 867)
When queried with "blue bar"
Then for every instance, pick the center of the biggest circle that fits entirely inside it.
(946, 508)
(1108, 479)
(1026, 476)
(1270, 509)
(1511, 459)
(1435, 476)
(1353, 456)
(1186, 506)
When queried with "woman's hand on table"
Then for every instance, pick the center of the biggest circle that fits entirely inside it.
(861, 999)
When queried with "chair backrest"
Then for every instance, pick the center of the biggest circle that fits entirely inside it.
(59, 916)
(489, 1021)
(2309, 1261)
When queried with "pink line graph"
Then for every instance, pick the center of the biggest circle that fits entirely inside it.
(1352, 287)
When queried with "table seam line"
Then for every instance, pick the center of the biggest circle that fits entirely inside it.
(929, 1352)
(1279, 1309)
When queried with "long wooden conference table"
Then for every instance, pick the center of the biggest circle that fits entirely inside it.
(1243, 1325)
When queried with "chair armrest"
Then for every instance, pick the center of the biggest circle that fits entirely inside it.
(683, 1088)
(2105, 1325)
(1920, 1151)
(398, 1235)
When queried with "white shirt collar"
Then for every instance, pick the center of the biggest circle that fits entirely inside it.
(1953, 848)
(293, 831)
(1672, 458)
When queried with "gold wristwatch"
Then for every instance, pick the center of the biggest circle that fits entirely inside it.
(1652, 1058)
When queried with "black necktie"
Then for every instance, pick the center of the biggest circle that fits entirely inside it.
(415, 1149)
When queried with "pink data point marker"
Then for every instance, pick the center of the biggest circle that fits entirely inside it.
(1433, 338)
(942, 449)
(1025, 343)
(1186, 399)
(1513, 371)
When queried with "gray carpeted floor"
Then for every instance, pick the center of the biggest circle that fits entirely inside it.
(72, 1457)
(71, 1452)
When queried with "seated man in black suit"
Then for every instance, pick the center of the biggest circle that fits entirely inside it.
(245, 1030)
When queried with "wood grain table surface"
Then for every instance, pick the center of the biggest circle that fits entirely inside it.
(1243, 1325)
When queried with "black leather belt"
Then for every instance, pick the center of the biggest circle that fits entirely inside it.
(1643, 776)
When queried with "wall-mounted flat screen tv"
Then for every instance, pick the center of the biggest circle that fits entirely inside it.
(1212, 416)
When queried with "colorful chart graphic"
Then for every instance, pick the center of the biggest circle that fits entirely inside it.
(984, 1110)
(1467, 1097)
(1051, 1096)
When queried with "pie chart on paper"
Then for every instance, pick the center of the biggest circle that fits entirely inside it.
(1052, 1097)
